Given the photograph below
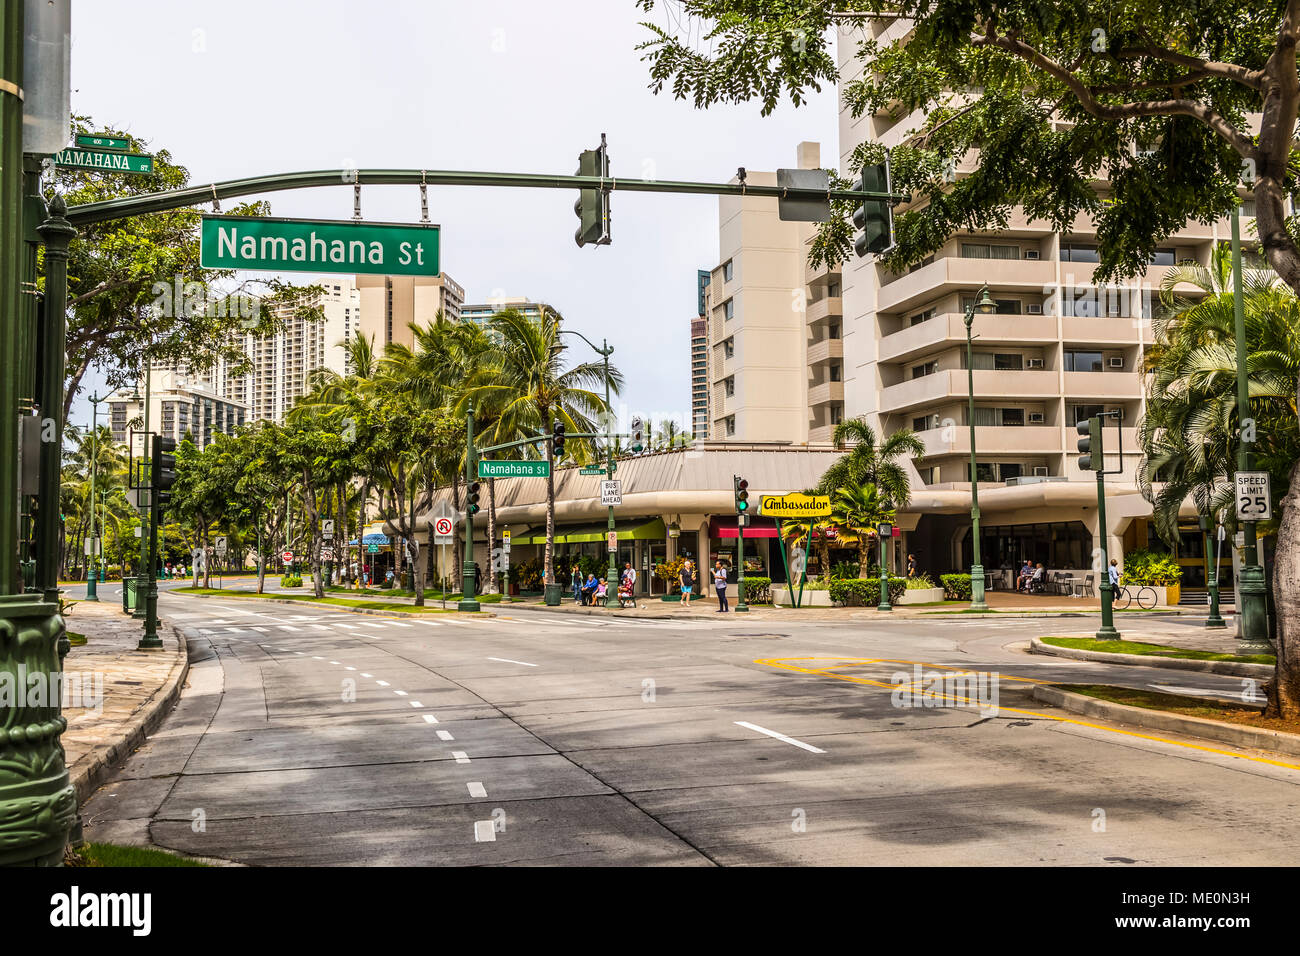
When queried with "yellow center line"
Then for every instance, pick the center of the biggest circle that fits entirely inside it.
(783, 664)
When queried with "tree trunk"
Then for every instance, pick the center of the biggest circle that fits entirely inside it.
(864, 554)
(548, 565)
(1284, 690)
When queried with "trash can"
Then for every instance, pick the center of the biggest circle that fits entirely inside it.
(553, 592)
(128, 594)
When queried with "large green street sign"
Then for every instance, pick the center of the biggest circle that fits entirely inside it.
(513, 469)
(95, 159)
(318, 245)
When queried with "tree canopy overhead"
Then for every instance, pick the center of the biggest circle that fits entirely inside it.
(1158, 99)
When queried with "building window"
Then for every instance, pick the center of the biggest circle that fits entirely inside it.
(731, 424)
(833, 290)
(837, 413)
(921, 317)
(833, 331)
(1163, 257)
(729, 386)
(928, 368)
(1004, 306)
(1078, 252)
(1083, 361)
(835, 373)
(1081, 413)
(728, 271)
(984, 250)
(729, 309)
(729, 348)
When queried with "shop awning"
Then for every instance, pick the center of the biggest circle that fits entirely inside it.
(724, 526)
(640, 529)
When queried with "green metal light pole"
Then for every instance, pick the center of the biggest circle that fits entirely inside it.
(145, 572)
(986, 306)
(467, 600)
(884, 604)
(1211, 578)
(92, 564)
(1252, 634)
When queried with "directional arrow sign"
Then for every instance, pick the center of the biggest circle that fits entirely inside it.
(94, 159)
(318, 245)
(102, 142)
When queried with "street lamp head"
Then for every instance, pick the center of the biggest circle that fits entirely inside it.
(986, 305)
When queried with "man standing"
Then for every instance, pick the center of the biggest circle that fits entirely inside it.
(629, 575)
(720, 585)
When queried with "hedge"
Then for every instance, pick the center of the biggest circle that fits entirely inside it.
(290, 580)
(856, 592)
(758, 590)
(956, 587)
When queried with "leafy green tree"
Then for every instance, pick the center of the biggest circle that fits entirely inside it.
(857, 510)
(124, 275)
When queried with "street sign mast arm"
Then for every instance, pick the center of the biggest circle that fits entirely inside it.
(87, 213)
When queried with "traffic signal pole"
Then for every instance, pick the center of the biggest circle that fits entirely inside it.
(1092, 458)
(467, 600)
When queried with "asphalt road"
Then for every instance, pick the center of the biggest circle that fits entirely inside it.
(313, 736)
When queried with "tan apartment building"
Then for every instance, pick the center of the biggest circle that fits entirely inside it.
(1058, 350)
(179, 405)
(700, 377)
(389, 304)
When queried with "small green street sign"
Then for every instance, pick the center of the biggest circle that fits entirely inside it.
(372, 549)
(513, 469)
(318, 245)
(591, 470)
(113, 162)
(102, 142)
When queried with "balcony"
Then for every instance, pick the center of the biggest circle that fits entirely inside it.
(951, 383)
(951, 328)
(824, 308)
(992, 440)
(825, 392)
(951, 274)
(1083, 330)
(825, 350)
(1102, 385)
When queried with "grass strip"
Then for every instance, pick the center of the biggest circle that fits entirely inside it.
(1142, 648)
(1188, 707)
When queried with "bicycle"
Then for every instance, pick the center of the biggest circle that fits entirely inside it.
(1146, 598)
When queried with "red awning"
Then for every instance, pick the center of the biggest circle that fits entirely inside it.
(724, 526)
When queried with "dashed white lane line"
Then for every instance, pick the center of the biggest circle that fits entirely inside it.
(287, 627)
(333, 662)
(315, 658)
(415, 703)
(367, 675)
(782, 737)
(445, 735)
(349, 668)
(461, 756)
(398, 624)
(350, 627)
(485, 831)
(382, 683)
(430, 719)
(477, 790)
(400, 693)
(506, 660)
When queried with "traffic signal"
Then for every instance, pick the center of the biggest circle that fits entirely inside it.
(471, 508)
(638, 435)
(162, 473)
(1090, 444)
(557, 439)
(742, 494)
(592, 206)
(875, 217)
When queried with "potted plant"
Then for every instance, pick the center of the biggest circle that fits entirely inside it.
(670, 573)
(1160, 572)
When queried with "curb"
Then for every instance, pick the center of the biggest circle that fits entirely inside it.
(94, 767)
(1249, 738)
(328, 607)
(1229, 668)
(606, 612)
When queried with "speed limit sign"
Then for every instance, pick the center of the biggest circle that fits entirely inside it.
(442, 527)
(1254, 503)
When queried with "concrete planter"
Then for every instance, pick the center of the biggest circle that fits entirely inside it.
(921, 596)
(781, 595)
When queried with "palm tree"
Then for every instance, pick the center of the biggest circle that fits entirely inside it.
(857, 510)
(528, 389)
(869, 463)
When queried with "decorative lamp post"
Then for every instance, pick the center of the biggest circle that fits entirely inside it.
(984, 305)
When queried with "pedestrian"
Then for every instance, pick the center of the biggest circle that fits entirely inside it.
(629, 577)
(575, 580)
(588, 588)
(478, 579)
(720, 585)
(911, 565)
(687, 580)
(1114, 578)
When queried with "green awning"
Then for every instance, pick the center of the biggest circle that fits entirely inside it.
(639, 529)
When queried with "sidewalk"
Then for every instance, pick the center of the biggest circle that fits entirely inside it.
(128, 692)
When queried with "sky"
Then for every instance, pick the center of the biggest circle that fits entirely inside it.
(236, 89)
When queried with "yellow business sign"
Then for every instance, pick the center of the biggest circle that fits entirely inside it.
(795, 506)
